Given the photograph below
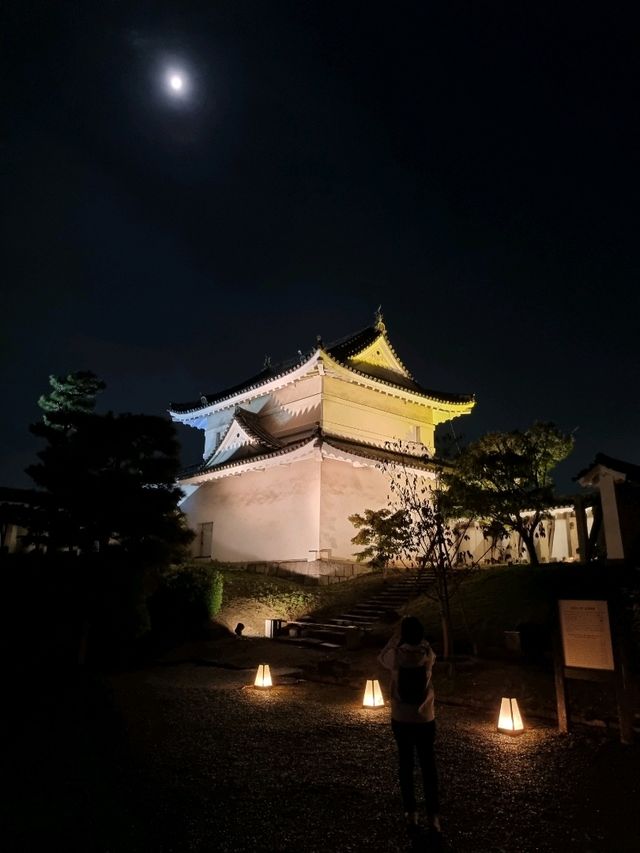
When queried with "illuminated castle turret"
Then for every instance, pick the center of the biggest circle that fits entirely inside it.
(293, 451)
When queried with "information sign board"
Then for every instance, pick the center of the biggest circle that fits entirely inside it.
(586, 634)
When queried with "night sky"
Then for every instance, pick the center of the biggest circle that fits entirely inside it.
(472, 167)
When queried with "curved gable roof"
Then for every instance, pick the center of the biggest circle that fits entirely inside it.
(344, 351)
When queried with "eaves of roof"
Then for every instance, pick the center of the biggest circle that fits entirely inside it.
(382, 454)
(366, 451)
(341, 351)
(205, 468)
(412, 386)
(632, 471)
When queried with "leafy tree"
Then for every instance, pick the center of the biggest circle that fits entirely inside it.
(382, 533)
(504, 480)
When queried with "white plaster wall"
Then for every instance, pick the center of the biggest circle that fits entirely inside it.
(560, 543)
(217, 425)
(261, 515)
(345, 490)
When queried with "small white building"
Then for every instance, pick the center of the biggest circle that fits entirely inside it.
(292, 452)
(618, 485)
(558, 539)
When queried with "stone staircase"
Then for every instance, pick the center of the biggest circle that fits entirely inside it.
(349, 629)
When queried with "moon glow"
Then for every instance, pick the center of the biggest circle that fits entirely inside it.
(176, 82)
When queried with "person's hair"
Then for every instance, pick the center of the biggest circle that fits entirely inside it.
(411, 631)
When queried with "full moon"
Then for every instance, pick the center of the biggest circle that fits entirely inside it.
(177, 82)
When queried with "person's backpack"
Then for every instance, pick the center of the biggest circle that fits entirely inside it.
(412, 684)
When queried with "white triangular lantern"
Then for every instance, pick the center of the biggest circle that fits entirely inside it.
(263, 676)
(372, 694)
(510, 720)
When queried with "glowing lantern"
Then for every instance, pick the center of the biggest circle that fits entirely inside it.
(510, 721)
(372, 695)
(263, 676)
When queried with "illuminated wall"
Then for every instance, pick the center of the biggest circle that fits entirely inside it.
(260, 515)
(372, 417)
(346, 490)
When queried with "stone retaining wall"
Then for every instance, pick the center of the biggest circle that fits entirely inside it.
(313, 572)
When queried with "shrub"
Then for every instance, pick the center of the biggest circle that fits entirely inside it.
(188, 596)
(217, 587)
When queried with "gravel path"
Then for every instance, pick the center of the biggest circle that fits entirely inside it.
(187, 756)
(221, 766)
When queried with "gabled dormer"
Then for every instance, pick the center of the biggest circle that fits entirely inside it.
(380, 360)
(244, 436)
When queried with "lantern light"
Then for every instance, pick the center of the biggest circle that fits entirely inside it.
(263, 676)
(510, 720)
(372, 695)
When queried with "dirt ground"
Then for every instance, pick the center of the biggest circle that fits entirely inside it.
(187, 756)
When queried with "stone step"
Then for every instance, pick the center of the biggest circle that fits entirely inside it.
(332, 633)
(408, 593)
(357, 620)
(388, 599)
(325, 635)
(368, 609)
(306, 622)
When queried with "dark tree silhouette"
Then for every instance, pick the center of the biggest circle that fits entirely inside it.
(108, 479)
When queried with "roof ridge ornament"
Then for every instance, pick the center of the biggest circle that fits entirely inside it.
(267, 362)
(203, 400)
(379, 324)
(319, 343)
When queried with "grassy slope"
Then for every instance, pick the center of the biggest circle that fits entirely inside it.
(250, 598)
(509, 597)
(490, 602)
(292, 598)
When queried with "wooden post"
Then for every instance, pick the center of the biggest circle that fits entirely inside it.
(561, 696)
(621, 672)
(581, 528)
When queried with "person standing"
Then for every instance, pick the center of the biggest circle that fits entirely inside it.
(410, 659)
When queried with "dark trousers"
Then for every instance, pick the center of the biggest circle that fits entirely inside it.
(417, 739)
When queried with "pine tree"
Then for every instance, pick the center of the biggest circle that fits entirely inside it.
(106, 479)
(70, 396)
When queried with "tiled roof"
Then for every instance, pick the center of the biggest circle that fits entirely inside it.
(204, 467)
(382, 454)
(251, 423)
(341, 351)
(346, 348)
(632, 471)
(366, 451)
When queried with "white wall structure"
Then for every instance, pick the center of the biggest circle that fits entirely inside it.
(620, 518)
(558, 544)
(293, 451)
